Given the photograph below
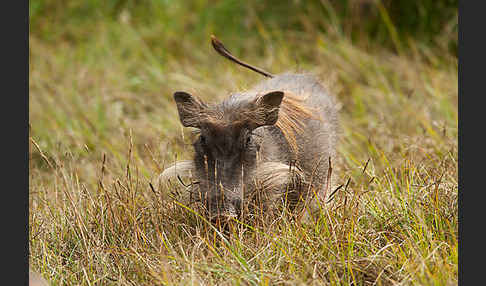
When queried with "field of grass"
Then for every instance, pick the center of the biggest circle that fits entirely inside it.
(103, 125)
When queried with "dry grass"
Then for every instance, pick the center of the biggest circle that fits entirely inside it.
(104, 126)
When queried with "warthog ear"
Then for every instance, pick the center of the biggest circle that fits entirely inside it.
(189, 108)
(269, 104)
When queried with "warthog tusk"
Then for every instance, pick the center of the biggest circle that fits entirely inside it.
(179, 168)
(274, 174)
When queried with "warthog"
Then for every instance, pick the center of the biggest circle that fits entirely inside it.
(272, 143)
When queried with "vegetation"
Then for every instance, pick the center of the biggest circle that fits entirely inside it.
(103, 125)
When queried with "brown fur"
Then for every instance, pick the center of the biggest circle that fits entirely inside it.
(291, 115)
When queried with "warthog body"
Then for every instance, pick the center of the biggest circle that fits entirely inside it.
(271, 142)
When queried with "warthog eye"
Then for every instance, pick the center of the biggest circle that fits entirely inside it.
(248, 141)
(202, 139)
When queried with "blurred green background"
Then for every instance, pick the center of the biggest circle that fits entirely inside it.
(170, 23)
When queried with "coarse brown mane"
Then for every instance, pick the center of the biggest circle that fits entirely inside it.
(291, 118)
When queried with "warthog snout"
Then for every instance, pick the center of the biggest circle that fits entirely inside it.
(223, 203)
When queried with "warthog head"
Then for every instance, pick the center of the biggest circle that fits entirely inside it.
(226, 150)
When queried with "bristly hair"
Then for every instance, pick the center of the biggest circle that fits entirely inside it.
(291, 118)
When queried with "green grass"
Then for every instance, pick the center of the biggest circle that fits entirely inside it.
(103, 125)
